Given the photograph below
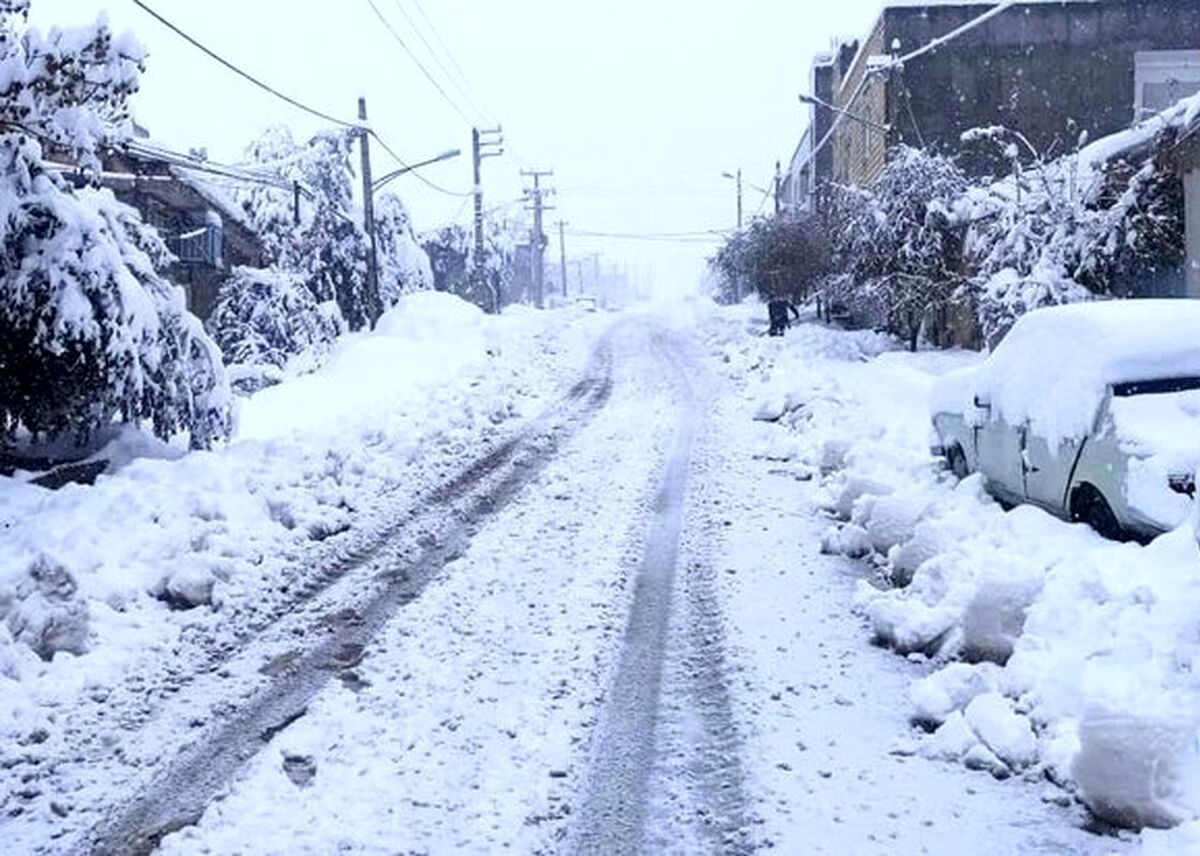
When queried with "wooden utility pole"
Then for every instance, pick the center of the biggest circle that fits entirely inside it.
(778, 187)
(374, 307)
(478, 153)
(739, 198)
(537, 238)
(562, 255)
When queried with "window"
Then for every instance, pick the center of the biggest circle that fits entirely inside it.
(1163, 77)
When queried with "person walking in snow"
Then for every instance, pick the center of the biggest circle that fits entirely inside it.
(777, 311)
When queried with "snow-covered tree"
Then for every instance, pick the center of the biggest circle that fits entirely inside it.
(326, 248)
(1067, 230)
(90, 331)
(785, 256)
(451, 252)
(403, 265)
(265, 319)
(909, 253)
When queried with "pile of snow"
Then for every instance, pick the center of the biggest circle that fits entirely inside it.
(1052, 652)
(91, 577)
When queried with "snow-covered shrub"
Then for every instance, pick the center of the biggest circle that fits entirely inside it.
(403, 265)
(89, 329)
(268, 317)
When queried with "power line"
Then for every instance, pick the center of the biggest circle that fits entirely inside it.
(416, 173)
(400, 41)
(948, 37)
(450, 56)
(932, 45)
(244, 74)
(665, 237)
(358, 126)
(434, 54)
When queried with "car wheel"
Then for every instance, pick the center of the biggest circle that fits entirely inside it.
(1089, 506)
(957, 460)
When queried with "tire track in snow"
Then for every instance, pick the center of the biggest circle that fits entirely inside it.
(177, 796)
(628, 743)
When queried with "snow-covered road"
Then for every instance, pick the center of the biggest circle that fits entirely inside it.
(613, 633)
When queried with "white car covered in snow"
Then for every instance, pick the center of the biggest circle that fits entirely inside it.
(1091, 411)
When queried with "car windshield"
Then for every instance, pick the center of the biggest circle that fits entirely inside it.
(1159, 386)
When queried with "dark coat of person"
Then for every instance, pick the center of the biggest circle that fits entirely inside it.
(778, 310)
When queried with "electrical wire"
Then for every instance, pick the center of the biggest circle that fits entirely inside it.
(404, 164)
(871, 73)
(244, 74)
(437, 59)
(286, 98)
(471, 90)
(400, 41)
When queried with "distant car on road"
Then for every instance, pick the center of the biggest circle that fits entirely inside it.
(587, 302)
(1091, 411)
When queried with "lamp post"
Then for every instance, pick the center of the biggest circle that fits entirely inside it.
(738, 179)
(446, 155)
(819, 102)
(737, 280)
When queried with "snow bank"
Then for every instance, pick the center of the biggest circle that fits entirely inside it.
(1053, 652)
(90, 577)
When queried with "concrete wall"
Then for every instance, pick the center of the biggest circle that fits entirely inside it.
(1191, 190)
(1049, 70)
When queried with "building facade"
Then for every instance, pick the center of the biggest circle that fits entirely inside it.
(203, 230)
(1058, 73)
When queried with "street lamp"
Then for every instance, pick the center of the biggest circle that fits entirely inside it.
(446, 155)
(805, 98)
(738, 179)
(737, 280)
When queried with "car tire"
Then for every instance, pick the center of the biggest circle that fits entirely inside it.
(1089, 506)
(957, 460)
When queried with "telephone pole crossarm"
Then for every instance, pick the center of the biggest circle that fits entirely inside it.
(485, 143)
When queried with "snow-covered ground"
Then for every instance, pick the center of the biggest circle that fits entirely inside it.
(1036, 649)
(174, 560)
(610, 583)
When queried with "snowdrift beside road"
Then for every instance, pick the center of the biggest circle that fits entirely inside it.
(90, 577)
(1054, 653)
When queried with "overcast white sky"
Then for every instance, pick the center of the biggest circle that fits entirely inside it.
(637, 105)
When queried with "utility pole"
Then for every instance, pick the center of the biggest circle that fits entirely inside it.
(562, 255)
(492, 141)
(739, 194)
(374, 307)
(537, 239)
(778, 187)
